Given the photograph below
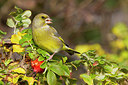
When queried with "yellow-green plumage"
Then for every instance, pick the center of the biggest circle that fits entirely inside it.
(46, 37)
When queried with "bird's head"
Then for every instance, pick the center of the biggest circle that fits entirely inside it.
(41, 19)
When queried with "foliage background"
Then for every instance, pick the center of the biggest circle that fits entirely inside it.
(83, 24)
(86, 22)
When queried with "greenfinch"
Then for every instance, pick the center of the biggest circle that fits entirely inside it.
(46, 37)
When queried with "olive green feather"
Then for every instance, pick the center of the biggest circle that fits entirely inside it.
(46, 37)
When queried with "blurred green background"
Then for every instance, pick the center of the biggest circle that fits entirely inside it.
(83, 24)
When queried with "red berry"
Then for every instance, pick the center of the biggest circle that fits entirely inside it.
(36, 66)
(95, 63)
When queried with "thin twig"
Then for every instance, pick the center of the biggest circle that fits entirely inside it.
(31, 45)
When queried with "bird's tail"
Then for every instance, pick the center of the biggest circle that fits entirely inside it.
(71, 51)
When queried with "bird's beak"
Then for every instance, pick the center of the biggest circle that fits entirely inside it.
(48, 21)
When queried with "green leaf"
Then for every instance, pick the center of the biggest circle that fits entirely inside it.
(25, 44)
(18, 17)
(19, 70)
(31, 55)
(27, 37)
(66, 70)
(51, 78)
(7, 62)
(76, 62)
(102, 62)
(31, 42)
(30, 80)
(19, 24)
(19, 10)
(13, 14)
(92, 76)
(64, 59)
(15, 78)
(22, 40)
(43, 65)
(87, 79)
(1, 82)
(43, 53)
(57, 69)
(26, 21)
(114, 70)
(27, 13)
(41, 58)
(24, 30)
(29, 31)
(10, 23)
(100, 77)
(28, 48)
(25, 25)
(108, 68)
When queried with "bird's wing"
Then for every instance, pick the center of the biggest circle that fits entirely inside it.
(55, 33)
(65, 46)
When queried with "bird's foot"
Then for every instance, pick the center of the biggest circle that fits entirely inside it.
(51, 56)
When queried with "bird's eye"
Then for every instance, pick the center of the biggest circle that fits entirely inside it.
(42, 17)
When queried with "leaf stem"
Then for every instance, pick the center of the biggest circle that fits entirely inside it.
(15, 28)
(31, 45)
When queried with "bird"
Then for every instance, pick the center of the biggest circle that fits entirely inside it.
(46, 37)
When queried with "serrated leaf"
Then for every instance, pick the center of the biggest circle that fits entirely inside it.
(87, 79)
(19, 70)
(27, 13)
(57, 69)
(51, 78)
(10, 23)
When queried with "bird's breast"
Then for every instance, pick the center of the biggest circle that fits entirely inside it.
(46, 40)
